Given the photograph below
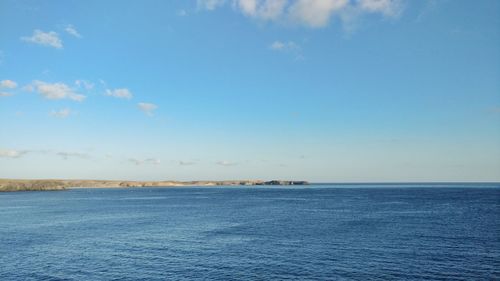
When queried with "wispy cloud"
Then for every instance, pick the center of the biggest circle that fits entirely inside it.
(119, 93)
(147, 108)
(8, 84)
(55, 91)
(389, 8)
(266, 10)
(226, 163)
(70, 29)
(84, 84)
(152, 161)
(50, 39)
(67, 155)
(315, 13)
(310, 13)
(427, 8)
(186, 163)
(5, 94)
(182, 13)
(63, 113)
(12, 153)
(209, 4)
(289, 47)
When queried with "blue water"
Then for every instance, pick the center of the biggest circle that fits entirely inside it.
(351, 232)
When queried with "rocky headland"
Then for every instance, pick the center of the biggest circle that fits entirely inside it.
(42, 185)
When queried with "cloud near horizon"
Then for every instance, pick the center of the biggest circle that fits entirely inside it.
(49, 39)
(12, 153)
(66, 155)
(138, 162)
(226, 163)
(310, 13)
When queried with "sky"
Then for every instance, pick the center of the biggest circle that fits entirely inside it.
(317, 90)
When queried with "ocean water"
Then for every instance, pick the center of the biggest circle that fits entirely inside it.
(326, 232)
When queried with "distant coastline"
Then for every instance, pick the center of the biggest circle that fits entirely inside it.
(52, 184)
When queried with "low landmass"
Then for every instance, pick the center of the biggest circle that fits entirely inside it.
(47, 185)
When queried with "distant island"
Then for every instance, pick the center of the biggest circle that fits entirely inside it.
(47, 185)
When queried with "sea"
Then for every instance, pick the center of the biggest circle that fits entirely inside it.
(315, 232)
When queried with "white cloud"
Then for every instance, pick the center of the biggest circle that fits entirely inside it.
(263, 9)
(119, 93)
(55, 91)
(209, 4)
(84, 84)
(152, 161)
(315, 13)
(277, 45)
(9, 84)
(72, 30)
(11, 153)
(63, 113)
(147, 108)
(284, 46)
(50, 39)
(226, 163)
(186, 163)
(390, 8)
(311, 13)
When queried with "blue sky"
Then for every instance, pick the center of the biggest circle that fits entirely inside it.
(320, 90)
